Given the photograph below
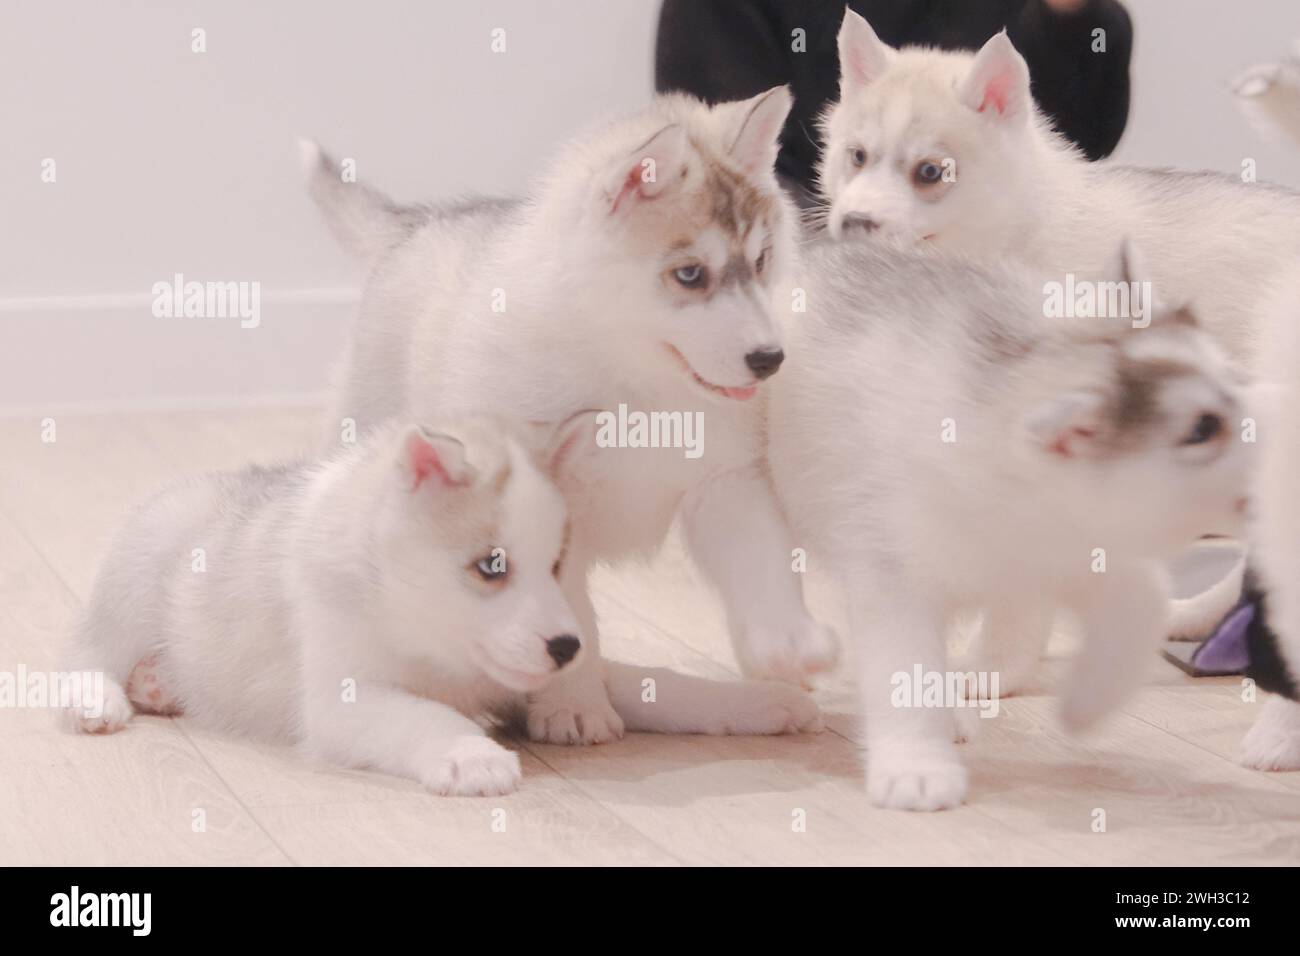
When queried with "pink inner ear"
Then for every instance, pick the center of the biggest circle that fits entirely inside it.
(631, 185)
(857, 67)
(1062, 446)
(425, 462)
(997, 93)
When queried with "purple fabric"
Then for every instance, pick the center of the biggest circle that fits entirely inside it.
(1226, 651)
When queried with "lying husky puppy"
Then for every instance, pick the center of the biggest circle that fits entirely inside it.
(636, 277)
(940, 446)
(365, 607)
(948, 148)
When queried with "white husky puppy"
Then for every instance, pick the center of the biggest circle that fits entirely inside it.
(366, 607)
(940, 446)
(1273, 743)
(948, 148)
(638, 272)
(1270, 94)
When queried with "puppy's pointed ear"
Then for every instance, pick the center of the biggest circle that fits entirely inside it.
(433, 459)
(1147, 306)
(1129, 266)
(571, 444)
(653, 167)
(998, 81)
(756, 133)
(863, 55)
(1068, 425)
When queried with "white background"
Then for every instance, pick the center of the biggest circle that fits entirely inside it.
(170, 161)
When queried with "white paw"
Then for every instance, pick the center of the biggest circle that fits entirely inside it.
(148, 691)
(473, 767)
(791, 653)
(1273, 741)
(919, 780)
(766, 707)
(111, 716)
(566, 721)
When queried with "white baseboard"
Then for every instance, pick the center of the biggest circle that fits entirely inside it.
(101, 352)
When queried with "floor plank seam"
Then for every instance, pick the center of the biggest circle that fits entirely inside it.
(1269, 777)
(233, 795)
(44, 558)
(577, 787)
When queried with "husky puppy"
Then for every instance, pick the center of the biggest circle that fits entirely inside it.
(368, 606)
(949, 149)
(1269, 93)
(939, 446)
(638, 271)
(1273, 743)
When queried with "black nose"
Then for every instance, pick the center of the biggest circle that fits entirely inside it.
(563, 649)
(857, 220)
(763, 363)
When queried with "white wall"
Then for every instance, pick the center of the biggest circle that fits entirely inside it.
(170, 161)
(1186, 53)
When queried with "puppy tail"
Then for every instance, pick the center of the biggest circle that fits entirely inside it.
(1124, 622)
(363, 220)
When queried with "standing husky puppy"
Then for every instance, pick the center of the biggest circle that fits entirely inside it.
(1273, 743)
(940, 446)
(948, 148)
(637, 273)
(1270, 95)
(366, 607)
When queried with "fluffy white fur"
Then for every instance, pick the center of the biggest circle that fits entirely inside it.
(1066, 437)
(1273, 743)
(344, 606)
(1270, 94)
(575, 298)
(338, 605)
(1019, 189)
(1224, 246)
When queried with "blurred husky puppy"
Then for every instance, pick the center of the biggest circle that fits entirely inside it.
(1273, 743)
(940, 446)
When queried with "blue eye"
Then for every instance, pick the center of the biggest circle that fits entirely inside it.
(927, 174)
(691, 277)
(491, 567)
